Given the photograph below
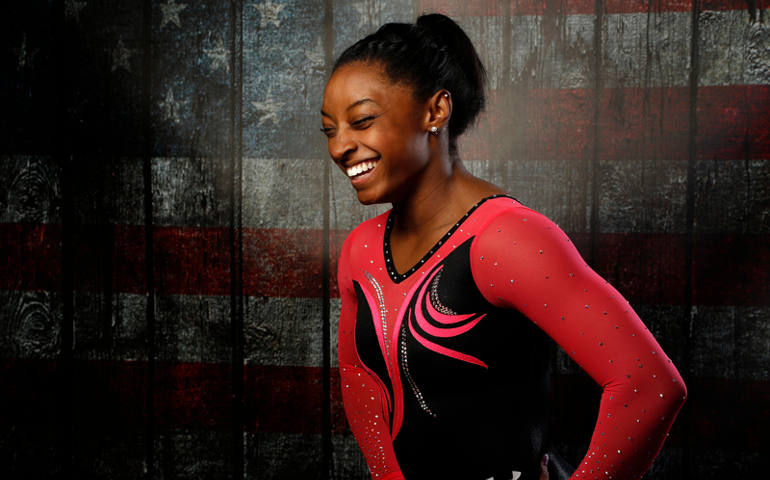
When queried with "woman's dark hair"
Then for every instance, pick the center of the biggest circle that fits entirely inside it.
(430, 55)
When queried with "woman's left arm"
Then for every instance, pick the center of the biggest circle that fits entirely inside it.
(522, 260)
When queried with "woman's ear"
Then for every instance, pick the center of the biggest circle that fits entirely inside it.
(439, 111)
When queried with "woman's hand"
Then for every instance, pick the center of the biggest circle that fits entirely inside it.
(544, 467)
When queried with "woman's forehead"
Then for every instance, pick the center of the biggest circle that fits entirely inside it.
(355, 81)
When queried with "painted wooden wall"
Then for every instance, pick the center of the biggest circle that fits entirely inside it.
(169, 220)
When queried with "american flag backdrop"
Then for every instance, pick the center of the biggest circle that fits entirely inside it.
(170, 221)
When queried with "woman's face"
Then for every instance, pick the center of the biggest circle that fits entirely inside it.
(376, 130)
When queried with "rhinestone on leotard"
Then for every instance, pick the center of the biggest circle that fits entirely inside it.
(405, 365)
(434, 296)
(383, 312)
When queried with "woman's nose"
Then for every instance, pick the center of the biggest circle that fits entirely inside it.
(341, 145)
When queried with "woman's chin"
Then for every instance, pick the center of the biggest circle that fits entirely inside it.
(365, 200)
(367, 197)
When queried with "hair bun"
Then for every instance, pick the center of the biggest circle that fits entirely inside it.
(430, 55)
(460, 47)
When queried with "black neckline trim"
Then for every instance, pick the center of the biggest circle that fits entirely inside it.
(389, 264)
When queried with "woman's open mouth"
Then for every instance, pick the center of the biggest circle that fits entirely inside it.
(360, 169)
(360, 172)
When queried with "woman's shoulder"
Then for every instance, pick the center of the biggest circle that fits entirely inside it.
(504, 208)
(368, 230)
(506, 218)
(372, 226)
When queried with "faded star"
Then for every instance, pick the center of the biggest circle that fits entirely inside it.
(25, 56)
(316, 57)
(219, 55)
(121, 56)
(366, 12)
(269, 13)
(171, 107)
(269, 109)
(72, 10)
(170, 11)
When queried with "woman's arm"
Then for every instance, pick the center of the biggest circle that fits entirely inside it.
(522, 260)
(362, 396)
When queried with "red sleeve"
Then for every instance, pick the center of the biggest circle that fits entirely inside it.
(522, 260)
(362, 396)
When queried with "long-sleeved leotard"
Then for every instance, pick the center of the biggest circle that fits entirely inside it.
(444, 368)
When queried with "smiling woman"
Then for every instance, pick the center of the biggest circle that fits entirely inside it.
(449, 298)
(372, 125)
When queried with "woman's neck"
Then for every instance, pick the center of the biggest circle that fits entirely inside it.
(437, 201)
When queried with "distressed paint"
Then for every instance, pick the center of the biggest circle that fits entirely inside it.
(195, 262)
(596, 139)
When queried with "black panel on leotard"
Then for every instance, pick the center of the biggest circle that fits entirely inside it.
(366, 341)
(499, 414)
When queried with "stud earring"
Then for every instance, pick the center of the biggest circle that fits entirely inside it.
(434, 130)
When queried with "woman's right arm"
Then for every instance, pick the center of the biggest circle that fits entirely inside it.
(362, 396)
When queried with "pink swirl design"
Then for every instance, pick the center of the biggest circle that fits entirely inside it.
(436, 331)
(446, 351)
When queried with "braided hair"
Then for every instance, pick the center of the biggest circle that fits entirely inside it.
(430, 55)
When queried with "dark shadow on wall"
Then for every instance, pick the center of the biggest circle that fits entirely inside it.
(117, 146)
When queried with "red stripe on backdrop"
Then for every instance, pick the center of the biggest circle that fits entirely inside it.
(644, 123)
(650, 269)
(723, 411)
(731, 268)
(734, 122)
(31, 256)
(112, 394)
(646, 268)
(542, 124)
(287, 263)
(464, 8)
(635, 122)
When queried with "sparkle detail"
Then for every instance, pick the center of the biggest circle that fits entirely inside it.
(383, 312)
(405, 364)
(434, 296)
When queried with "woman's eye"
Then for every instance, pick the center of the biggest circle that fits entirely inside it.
(328, 131)
(362, 122)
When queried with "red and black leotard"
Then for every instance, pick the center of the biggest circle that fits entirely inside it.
(444, 367)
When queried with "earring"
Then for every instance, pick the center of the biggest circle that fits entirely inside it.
(434, 130)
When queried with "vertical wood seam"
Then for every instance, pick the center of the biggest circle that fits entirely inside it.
(326, 427)
(64, 159)
(688, 420)
(236, 234)
(594, 221)
(148, 237)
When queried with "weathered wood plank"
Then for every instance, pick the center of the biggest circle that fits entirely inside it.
(573, 7)
(31, 324)
(283, 331)
(192, 117)
(733, 196)
(643, 128)
(734, 46)
(730, 342)
(195, 262)
(191, 79)
(535, 141)
(29, 413)
(28, 79)
(108, 388)
(275, 456)
(31, 190)
(283, 77)
(646, 49)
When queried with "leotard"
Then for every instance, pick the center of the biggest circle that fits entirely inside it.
(444, 368)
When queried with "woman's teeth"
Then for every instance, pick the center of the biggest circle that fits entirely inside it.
(360, 168)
